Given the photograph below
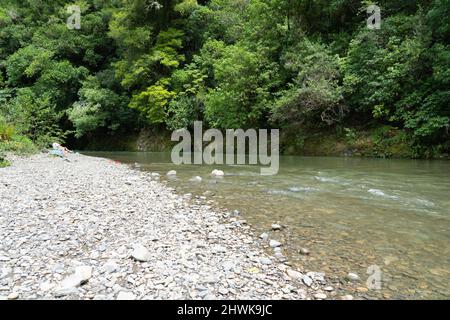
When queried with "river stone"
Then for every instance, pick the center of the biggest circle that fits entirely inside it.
(202, 293)
(279, 256)
(13, 296)
(265, 260)
(304, 251)
(276, 226)
(307, 280)
(217, 173)
(353, 276)
(223, 291)
(196, 179)
(68, 285)
(316, 276)
(140, 253)
(125, 295)
(320, 296)
(82, 275)
(172, 173)
(46, 286)
(264, 236)
(274, 243)
(110, 266)
(295, 275)
(208, 193)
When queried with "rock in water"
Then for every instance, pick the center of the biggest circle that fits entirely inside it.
(140, 253)
(196, 179)
(217, 173)
(208, 193)
(274, 243)
(172, 173)
(304, 251)
(276, 226)
(353, 276)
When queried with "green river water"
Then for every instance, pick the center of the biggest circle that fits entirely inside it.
(350, 213)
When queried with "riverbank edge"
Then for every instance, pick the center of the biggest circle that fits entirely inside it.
(383, 142)
(313, 284)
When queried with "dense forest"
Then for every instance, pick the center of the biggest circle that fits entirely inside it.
(312, 68)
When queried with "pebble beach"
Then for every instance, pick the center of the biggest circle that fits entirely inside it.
(91, 228)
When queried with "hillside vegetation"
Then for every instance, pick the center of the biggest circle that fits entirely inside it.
(310, 67)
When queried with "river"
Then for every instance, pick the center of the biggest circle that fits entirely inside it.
(349, 213)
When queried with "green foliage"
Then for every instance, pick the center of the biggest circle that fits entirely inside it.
(183, 111)
(11, 141)
(47, 72)
(314, 97)
(153, 102)
(305, 66)
(6, 131)
(397, 77)
(350, 136)
(39, 117)
(97, 107)
(237, 101)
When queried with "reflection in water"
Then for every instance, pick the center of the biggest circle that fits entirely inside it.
(349, 213)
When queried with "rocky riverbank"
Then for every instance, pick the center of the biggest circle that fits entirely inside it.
(91, 228)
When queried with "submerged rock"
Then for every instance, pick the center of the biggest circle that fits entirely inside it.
(196, 179)
(353, 276)
(304, 251)
(217, 173)
(276, 227)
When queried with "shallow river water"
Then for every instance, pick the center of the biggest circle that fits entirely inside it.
(349, 213)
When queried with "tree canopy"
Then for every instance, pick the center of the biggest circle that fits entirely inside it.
(304, 66)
